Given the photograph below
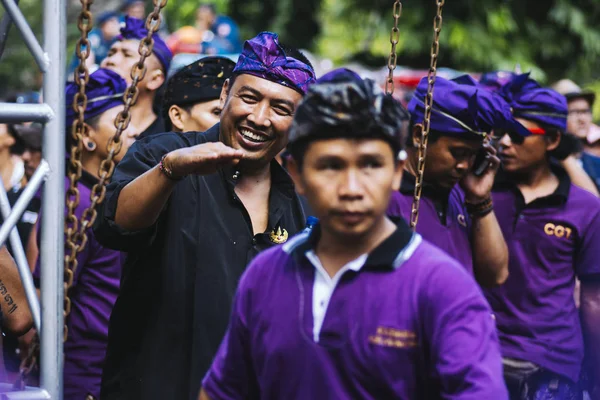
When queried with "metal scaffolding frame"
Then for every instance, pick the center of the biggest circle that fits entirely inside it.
(50, 58)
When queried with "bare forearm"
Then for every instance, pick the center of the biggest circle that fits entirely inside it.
(490, 254)
(578, 175)
(15, 309)
(203, 395)
(32, 251)
(590, 310)
(142, 200)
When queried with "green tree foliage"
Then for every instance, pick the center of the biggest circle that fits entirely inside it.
(554, 38)
(17, 66)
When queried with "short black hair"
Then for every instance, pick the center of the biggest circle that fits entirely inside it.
(167, 117)
(296, 53)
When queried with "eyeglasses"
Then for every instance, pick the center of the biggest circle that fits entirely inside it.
(515, 137)
(586, 112)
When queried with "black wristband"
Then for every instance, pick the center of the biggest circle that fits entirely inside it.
(481, 209)
(481, 214)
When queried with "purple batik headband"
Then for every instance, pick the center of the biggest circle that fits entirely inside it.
(135, 29)
(104, 91)
(265, 58)
(461, 108)
(532, 102)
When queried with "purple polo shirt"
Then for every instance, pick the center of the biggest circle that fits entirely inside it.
(550, 241)
(393, 329)
(94, 292)
(443, 219)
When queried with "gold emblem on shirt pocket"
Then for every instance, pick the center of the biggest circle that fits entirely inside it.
(278, 236)
(390, 337)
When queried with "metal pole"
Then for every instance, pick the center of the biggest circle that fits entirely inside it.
(53, 203)
(17, 246)
(21, 204)
(17, 113)
(32, 394)
(5, 25)
(31, 41)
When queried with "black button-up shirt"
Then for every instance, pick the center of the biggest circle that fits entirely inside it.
(182, 272)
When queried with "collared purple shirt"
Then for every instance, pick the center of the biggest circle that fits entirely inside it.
(393, 329)
(443, 219)
(95, 288)
(550, 241)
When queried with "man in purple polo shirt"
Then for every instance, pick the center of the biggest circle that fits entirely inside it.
(97, 278)
(458, 218)
(552, 229)
(360, 307)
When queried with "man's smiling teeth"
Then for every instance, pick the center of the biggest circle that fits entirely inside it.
(252, 136)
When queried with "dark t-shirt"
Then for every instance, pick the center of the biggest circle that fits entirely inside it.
(182, 272)
(158, 126)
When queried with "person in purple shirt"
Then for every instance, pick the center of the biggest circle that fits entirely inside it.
(360, 307)
(552, 229)
(97, 278)
(123, 55)
(456, 213)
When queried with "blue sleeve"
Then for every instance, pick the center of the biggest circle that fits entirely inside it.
(461, 333)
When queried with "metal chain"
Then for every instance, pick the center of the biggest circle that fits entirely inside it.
(78, 240)
(394, 39)
(79, 129)
(431, 75)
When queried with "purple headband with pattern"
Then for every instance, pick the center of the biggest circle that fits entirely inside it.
(264, 57)
(135, 29)
(104, 91)
(532, 102)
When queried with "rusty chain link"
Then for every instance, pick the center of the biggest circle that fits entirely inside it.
(78, 130)
(431, 75)
(78, 240)
(85, 24)
(394, 39)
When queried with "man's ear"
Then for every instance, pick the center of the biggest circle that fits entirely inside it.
(553, 141)
(88, 139)
(177, 115)
(156, 79)
(416, 134)
(224, 94)
(294, 171)
(400, 162)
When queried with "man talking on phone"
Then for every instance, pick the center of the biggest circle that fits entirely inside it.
(456, 212)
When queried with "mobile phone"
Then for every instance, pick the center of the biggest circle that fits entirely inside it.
(481, 163)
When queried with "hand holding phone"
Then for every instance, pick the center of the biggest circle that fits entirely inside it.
(478, 183)
(482, 161)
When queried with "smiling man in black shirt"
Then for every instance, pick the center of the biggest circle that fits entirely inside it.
(192, 209)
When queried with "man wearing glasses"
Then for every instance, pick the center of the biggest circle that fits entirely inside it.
(552, 229)
(579, 123)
